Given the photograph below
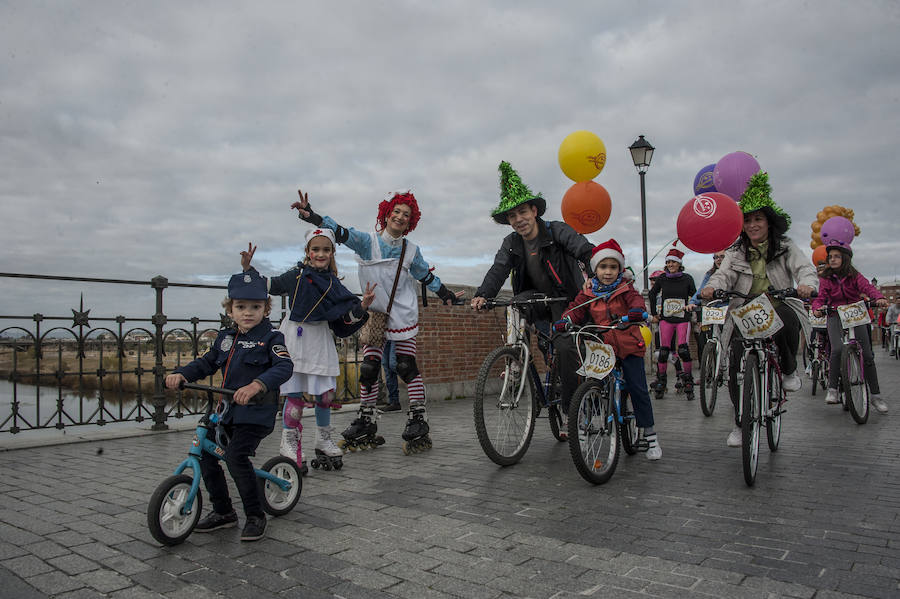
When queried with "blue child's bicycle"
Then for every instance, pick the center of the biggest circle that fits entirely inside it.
(176, 504)
(600, 413)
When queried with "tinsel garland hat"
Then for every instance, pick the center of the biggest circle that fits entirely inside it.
(758, 196)
(514, 193)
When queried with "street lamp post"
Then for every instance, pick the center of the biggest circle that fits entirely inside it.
(641, 154)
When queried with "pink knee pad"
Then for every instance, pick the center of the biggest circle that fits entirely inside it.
(293, 412)
(326, 399)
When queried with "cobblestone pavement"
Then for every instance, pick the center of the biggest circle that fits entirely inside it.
(822, 521)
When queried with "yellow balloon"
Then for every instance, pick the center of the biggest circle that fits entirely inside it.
(647, 335)
(582, 156)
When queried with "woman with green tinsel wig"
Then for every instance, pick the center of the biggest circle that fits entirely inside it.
(761, 258)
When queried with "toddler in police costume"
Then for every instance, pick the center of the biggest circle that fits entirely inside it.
(254, 362)
(319, 305)
(379, 254)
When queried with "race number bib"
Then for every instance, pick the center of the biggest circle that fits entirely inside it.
(515, 325)
(854, 315)
(818, 322)
(674, 307)
(599, 360)
(757, 319)
(713, 315)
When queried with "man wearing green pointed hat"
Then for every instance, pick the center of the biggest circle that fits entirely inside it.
(764, 257)
(547, 257)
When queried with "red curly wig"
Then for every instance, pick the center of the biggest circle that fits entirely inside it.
(387, 206)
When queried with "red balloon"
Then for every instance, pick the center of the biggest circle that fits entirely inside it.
(586, 206)
(709, 223)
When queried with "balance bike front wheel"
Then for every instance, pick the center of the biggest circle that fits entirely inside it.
(166, 518)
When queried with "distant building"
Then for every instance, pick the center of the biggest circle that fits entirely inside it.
(891, 291)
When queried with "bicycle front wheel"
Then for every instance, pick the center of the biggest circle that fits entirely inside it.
(856, 392)
(815, 376)
(628, 428)
(505, 406)
(593, 432)
(751, 401)
(709, 374)
(773, 413)
(167, 517)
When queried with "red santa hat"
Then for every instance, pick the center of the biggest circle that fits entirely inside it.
(675, 254)
(608, 249)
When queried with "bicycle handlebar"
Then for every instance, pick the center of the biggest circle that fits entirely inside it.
(779, 294)
(207, 388)
(495, 303)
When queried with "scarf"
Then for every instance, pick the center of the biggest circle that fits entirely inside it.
(604, 291)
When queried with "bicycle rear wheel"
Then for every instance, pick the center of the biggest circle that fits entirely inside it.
(751, 401)
(555, 411)
(815, 375)
(504, 418)
(628, 428)
(593, 431)
(856, 392)
(709, 384)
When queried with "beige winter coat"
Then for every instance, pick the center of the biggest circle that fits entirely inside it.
(790, 268)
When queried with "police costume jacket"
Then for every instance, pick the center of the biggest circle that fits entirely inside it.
(257, 355)
(318, 295)
(378, 256)
(676, 287)
(563, 251)
(788, 268)
(624, 298)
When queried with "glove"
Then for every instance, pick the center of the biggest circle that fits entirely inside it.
(636, 315)
(448, 297)
(313, 218)
(561, 326)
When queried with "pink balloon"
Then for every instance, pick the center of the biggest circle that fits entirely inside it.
(837, 230)
(733, 172)
(709, 223)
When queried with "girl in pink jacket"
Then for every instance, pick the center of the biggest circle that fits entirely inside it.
(841, 284)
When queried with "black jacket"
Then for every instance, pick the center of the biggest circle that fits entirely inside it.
(564, 254)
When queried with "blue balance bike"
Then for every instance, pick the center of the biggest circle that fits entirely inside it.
(177, 503)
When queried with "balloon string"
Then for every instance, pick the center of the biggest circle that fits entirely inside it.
(652, 258)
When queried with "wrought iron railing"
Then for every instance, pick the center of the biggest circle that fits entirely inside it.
(112, 369)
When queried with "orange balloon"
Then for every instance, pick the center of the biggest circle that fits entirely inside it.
(817, 226)
(586, 206)
(820, 254)
(817, 237)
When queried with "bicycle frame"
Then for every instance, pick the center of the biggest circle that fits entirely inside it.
(516, 336)
(202, 443)
(616, 379)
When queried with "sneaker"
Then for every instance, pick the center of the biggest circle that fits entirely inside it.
(215, 521)
(808, 370)
(791, 382)
(391, 407)
(654, 451)
(832, 397)
(254, 529)
(734, 437)
(878, 404)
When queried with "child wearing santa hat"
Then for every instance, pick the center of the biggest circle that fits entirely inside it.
(610, 297)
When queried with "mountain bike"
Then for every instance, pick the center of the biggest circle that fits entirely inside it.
(713, 359)
(177, 502)
(762, 392)
(509, 391)
(600, 413)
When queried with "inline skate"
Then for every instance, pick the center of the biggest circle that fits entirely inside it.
(415, 436)
(659, 385)
(291, 448)
(361, 434)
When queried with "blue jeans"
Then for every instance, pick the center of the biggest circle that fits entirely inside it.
(389, 363)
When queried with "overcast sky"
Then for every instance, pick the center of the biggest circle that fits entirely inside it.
(145, 138)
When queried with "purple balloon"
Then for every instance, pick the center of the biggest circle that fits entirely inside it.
(733, 172)
(703, 182)
(837, 230)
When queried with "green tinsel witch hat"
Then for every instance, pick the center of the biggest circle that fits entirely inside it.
(514, 193)
(758, 196)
